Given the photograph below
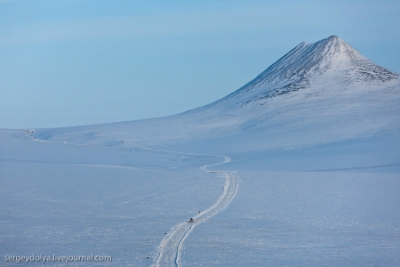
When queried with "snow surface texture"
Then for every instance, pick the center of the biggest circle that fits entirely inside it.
(172, 245)
(315, 140)
(79, 200)
(304, 219)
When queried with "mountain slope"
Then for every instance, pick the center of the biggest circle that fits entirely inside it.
(319, 93)
(330, 58)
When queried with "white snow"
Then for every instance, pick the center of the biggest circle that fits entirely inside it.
(314, 141)
(172, 245)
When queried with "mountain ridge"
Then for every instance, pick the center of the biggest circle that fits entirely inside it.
(301, 65)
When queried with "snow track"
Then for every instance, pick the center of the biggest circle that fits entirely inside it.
(172, 245)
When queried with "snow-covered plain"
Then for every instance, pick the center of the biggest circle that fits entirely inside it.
(78, 200)
(314, 178)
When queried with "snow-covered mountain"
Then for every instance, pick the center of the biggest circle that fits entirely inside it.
(299, 167)
(328, 59)
(321, 92)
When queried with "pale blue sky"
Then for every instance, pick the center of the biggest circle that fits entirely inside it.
(74, 62)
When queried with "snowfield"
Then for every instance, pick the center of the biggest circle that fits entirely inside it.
(75, 200)
(299, 167)
(303, 219)
(171, 247)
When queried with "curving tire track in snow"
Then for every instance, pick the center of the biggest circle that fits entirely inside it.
(172, 245)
